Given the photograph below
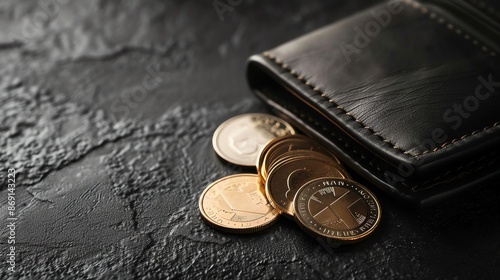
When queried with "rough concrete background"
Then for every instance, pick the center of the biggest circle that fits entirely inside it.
(107, 110)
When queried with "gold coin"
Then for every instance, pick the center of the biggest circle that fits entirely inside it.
(288, 144)
(269, 145)
(283, 144)
(285, 179)
(240, 139)
(336, 210)
(236, 204)
(304, 154)
(298, 142)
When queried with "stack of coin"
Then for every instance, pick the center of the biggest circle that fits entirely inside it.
(288, 162)
(296, 177)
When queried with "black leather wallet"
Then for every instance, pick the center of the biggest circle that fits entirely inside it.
(406, 93)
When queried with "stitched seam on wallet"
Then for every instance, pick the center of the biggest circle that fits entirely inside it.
(447, 175)
(460, 170)
(417, 6)
(485, 7)
(346, 144)
(316, 90)
(392, 145)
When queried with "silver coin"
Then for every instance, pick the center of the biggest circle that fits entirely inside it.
(240, 139)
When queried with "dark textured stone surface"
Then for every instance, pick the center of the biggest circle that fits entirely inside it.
(111, 159)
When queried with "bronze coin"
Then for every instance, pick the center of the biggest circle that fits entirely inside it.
(240, 139)
(336, 210)
(285, 179)
(236, 204)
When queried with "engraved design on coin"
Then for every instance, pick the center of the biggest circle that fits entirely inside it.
(245, 141)
(286, 178)
(339, 214)
(240, 139)
(337, 209)
(245, 202)
(236, 204)
(296, 178)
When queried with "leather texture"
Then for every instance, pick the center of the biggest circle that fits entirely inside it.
(405, 92)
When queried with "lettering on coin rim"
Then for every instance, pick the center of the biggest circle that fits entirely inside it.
(303, 216)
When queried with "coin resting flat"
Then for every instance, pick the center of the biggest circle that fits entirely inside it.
(236, 204)
(240, 139)
(336, 210)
